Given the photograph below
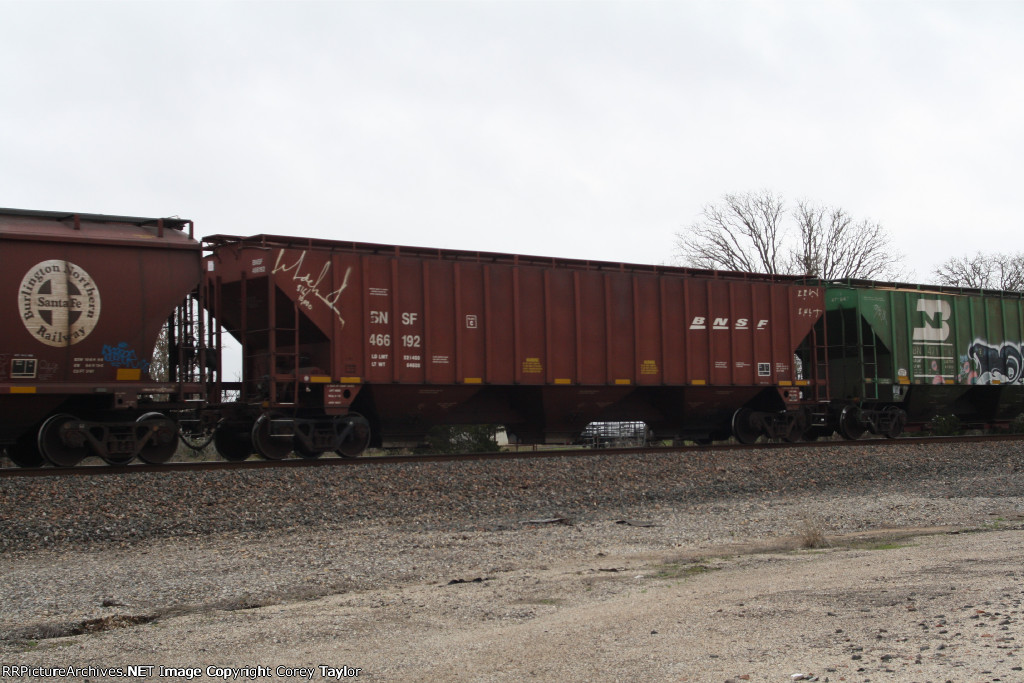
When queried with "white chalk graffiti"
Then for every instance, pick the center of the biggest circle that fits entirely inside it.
(308, 286)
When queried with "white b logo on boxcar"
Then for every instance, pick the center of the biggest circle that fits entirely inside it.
(936, 320)
(59, 303)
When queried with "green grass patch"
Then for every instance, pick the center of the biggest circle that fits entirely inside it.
(678, 570)
(880, 545)
(553, 602)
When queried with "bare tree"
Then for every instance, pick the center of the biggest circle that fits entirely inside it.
(748, 232)
(983, 271)
(742, 233)
(834, 246)
(159, 368)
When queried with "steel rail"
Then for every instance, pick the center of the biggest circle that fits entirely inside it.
(100, 469)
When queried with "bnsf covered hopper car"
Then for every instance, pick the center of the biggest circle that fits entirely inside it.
(83, 300)
(346, 344)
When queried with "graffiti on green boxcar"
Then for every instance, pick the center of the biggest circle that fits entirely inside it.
(968, 371)
(990, 363)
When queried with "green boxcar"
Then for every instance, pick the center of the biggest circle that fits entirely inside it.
(928, 350)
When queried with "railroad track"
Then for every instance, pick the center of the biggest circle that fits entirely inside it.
(100, 469)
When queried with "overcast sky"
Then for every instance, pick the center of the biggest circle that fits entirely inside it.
(580, 129)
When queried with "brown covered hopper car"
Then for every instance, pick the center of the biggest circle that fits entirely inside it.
(84, 299)
(348, 343)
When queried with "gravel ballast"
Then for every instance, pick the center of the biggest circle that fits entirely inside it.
(99, 511)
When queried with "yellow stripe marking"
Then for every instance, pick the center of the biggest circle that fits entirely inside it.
(129, 374)
(23, 390)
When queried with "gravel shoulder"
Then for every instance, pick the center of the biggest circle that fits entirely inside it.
(920, 576)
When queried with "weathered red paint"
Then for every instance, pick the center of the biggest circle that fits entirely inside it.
(72, 285)
(442, 336)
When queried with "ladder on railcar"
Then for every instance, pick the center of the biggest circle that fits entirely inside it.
(260, 347)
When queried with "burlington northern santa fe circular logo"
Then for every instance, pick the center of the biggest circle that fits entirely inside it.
(59, 303)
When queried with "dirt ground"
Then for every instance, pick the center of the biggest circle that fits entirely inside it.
(901, 605)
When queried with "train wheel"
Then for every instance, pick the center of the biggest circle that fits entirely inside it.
(797, 429)
(164, 440)
(898, 419)
(268, 446)
(849, 426)
(25, 451)
(232, 445)
(306, 429)
(305, 453)
(358, 437)
(115, 458)
(744, 428)
(794, 435)
(52, 446)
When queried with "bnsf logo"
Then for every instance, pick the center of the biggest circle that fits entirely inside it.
(701, 323)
